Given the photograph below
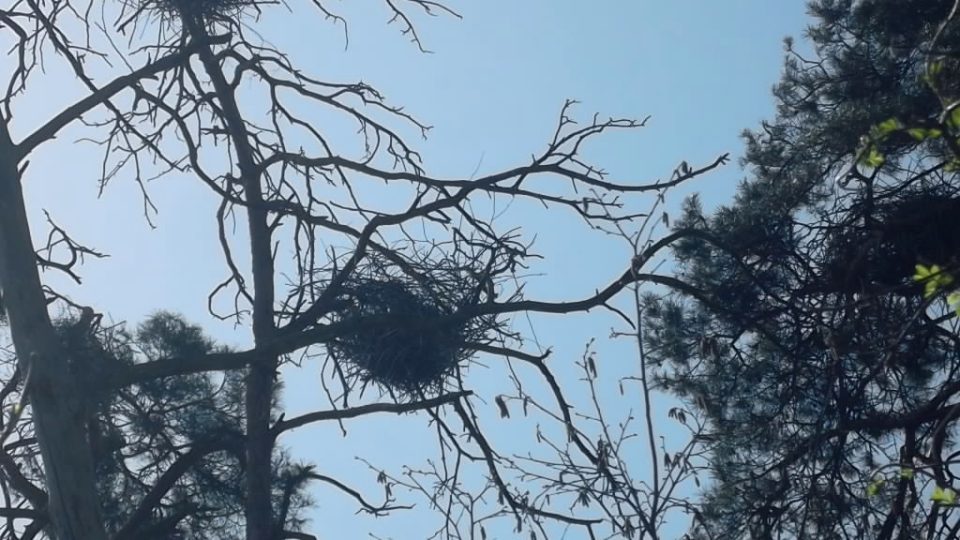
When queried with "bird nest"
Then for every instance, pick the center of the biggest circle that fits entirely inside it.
(204, 10)
(882, 251)
(409, 340)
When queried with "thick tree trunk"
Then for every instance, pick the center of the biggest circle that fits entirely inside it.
(258, 510)
(56, 401)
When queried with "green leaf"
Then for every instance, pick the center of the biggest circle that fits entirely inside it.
(934, 68)
(923, 133)
(930, 76)
(953, 300)
(943, 495)
(874, 488)
(921, 272)
(873, 158)
(942, 281)
(954, 119)
(906, 473)
(887, 127)
(933, 277)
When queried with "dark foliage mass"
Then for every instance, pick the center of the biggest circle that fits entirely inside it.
(168, 452)
(816, 358)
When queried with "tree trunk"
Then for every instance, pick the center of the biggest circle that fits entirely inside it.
(56, 401)
(258, 510)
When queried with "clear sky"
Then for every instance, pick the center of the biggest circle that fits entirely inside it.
(492, 89)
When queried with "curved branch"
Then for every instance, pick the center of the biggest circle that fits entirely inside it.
(19, 482)
(517, 172)
(75, 111)
(22, 513)
(353, 412)
(515, 505)
(375, 510)
(177, 469)
(297, 535)
(183, 365)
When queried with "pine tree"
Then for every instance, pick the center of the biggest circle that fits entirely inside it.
(168, 452)
(826, 373)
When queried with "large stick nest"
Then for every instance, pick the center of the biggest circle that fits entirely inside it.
(201, 10)
(409, 340)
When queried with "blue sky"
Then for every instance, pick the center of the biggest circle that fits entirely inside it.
(492, 90)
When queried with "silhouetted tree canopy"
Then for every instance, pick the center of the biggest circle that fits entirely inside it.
(159, 433)
(819, 364)
(168, 452)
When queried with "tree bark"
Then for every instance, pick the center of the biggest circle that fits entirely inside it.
(57, 403)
